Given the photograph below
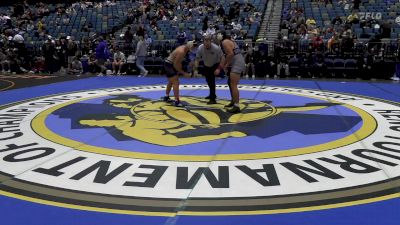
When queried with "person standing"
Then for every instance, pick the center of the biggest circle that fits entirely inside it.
(396, 76)
(173, 68)
(141, 52)
(234, 66)
(213, 59)
(49, 53)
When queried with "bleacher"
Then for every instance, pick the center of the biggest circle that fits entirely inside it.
(365, 39)
(169, 30)
(378, 10)
(103, 20)
(112, 18)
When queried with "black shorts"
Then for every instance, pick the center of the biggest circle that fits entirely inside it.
(170, 70)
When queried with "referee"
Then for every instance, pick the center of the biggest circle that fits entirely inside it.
(213, 57)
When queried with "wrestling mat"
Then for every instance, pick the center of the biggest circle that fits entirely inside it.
(108, 150)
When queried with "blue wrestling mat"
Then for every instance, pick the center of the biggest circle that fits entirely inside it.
(108, 150)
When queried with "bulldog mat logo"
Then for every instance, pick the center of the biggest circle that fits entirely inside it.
(123, 150)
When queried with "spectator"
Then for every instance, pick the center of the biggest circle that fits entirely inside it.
(4, 63)
(205, 23)
(386, 29)
(72, 49)
(181, 36)
(236, 27)
(396, 76)
(102, 55)
(76, 67)
(334, 40)
(249, 61)
(337, 21)
(368, 66)
(49, 53)
(61, 51)
(141, 52)
(210, 31)
(93, 64)
(19, 39)
(119, 61)
(140, 31)
(30, 26)
(128, 36)
(130, 64)
(319, 67)
(148, 40)
(220, 11)
(282, 63)
(86, 46)
(39, 65)
(40, 26)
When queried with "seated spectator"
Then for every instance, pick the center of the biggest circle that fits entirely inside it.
(119, 61)
(332, 42)
(148, 40)
(131, 64)
(236, 27)
(4, 63)
(337, 21)
(210, 31)
(181, 37)
(85, 64)
(30, 26)
(128, 36)
(282, 63)
(319, 66)
(94, 68)
(39, 65)
(76, 67)
(220, 11)
(386, 29)
(317, 42)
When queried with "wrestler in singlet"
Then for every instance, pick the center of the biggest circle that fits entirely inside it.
(234, 67)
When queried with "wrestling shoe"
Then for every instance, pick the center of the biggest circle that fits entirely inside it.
(167, 99)
(229, 105)
(234, 109)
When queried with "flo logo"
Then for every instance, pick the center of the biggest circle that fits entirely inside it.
(123, 150)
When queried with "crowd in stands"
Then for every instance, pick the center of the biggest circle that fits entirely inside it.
(31, 41)
(304, 47)
(318, 44)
